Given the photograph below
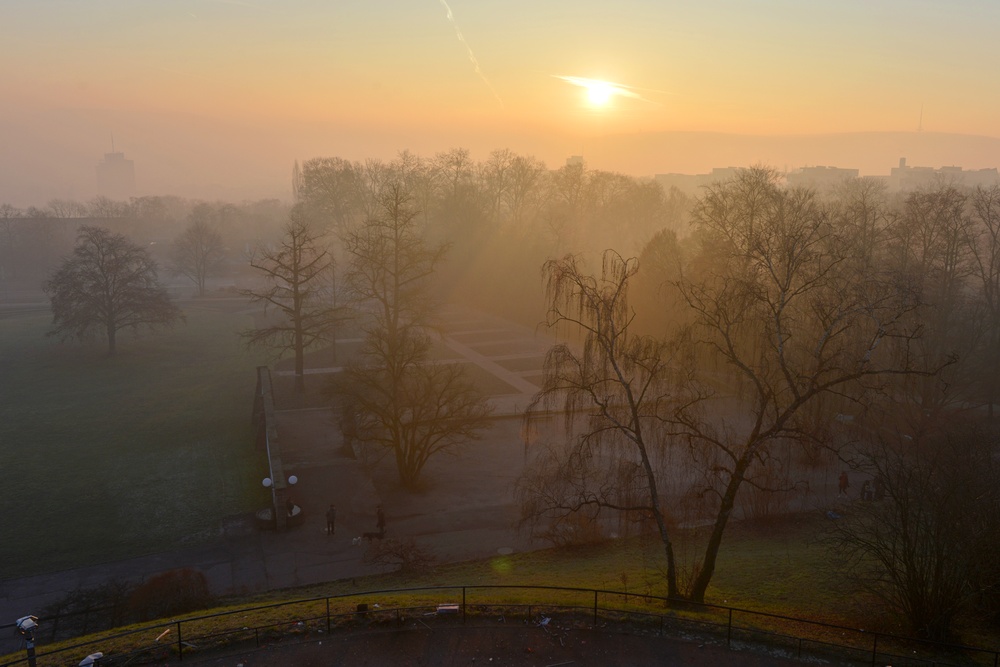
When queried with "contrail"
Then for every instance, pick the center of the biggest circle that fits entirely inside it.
(472, 56)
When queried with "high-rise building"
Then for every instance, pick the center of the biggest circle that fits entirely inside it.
(116, 176)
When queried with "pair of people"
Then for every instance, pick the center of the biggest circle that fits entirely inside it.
(331, 520)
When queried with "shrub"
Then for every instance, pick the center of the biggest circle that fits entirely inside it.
(169, 593)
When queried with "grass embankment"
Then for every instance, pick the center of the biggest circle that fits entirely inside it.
(109, 457)
(777, 567)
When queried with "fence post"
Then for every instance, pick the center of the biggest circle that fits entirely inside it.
(874, 648)
(180, 643)
(463, 605)
(328, 616)
(595, 608)
(729, 630)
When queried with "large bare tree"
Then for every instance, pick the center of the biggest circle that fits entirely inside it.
(108, 284)
(296, 294)
(412, 408)
(787, 321)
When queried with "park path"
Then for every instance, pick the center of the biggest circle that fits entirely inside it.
(467, 513)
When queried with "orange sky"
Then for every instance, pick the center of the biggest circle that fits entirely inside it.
(431, 74)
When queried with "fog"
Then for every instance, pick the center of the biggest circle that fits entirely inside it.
(523, 275)
(54, 153)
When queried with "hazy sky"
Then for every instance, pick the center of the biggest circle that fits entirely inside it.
(369, 77)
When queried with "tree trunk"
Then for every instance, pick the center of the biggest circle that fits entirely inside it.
(700, 584)
(300, 380)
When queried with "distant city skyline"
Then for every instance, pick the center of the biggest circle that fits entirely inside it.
(216, 96)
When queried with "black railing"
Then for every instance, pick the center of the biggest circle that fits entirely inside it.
(732, 627)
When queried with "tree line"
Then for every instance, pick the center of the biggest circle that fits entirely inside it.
(35, 239)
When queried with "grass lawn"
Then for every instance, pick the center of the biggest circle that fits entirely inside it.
(106, 458)
(777, 566)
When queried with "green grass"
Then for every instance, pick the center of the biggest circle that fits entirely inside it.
(106, 458)
(776, 567)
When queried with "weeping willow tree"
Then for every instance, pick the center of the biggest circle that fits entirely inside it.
(620, 384)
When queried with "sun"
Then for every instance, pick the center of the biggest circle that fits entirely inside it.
(602, 93)
(599, 92)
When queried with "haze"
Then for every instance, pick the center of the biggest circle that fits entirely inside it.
(218, 98)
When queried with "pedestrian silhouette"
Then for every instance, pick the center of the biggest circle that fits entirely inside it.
(843, 483)
(331, 519)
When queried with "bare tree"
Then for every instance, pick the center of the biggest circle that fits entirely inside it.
(108, 284)
(66, 208)
(331, 190)
(198, 252)
(107, 209)
(496, 176)
(925, 543)
(781, 320)
(933, 255)
(409, 407)
(619, 384)
(526, 174)
(295, 274)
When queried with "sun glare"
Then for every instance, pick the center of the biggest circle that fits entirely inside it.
(599, 92)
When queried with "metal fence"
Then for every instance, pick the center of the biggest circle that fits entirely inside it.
(735, 628)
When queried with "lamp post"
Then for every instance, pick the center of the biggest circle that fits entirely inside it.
(279, 499)
(26, 626)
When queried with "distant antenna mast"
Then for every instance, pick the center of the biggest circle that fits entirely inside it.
(920, 123)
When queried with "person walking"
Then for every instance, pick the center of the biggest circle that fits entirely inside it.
(842, 483)
(331, 520)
